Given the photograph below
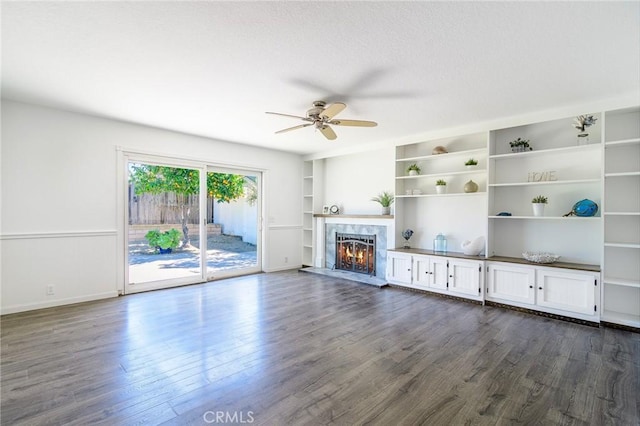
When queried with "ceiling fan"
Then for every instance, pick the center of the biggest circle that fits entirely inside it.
(321, 116)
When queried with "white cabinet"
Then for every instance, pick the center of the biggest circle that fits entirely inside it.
(511, 284)
(566, 292)
(399, 268)
(557, 168)
(466, 278)
(430, 271)
(621, 211)
(440, 274)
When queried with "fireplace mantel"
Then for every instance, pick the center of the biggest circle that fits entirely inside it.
(356, 216)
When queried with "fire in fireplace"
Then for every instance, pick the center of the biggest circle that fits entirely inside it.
(356, 253)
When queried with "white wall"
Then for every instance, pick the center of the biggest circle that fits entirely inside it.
(237, 218)
(351, 181)
(59, 215)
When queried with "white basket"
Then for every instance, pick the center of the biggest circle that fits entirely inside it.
(537, 257)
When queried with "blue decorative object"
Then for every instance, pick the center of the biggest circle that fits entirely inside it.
(504, 214)
(583, 208)
(406, 234)
(440, 244)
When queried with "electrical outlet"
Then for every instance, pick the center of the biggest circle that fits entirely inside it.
(50, 291)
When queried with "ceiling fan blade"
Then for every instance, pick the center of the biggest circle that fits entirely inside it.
(294, 128)
(327, 132)
(288, 115)
(357, 123)
(332, 110)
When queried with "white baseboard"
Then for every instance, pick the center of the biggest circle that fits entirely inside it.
(59, 302)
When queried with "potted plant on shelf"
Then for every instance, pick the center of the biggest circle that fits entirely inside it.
(441, 186)
(520, 145)
(413, 170)
(471, 163)
(163, 242)
(581, 123)
(538, 204)
(385, 199)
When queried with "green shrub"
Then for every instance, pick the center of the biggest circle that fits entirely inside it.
(165, 240)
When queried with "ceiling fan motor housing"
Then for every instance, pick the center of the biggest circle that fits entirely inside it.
(318, 107)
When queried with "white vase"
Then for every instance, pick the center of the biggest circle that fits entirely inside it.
(413, 173)
(441, 189)
(386, 211)
(538, 209)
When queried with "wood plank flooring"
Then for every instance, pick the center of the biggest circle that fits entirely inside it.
(301, 349)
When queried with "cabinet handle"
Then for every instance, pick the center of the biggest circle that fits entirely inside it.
(539, 288)
(530, 286)
(450, 276)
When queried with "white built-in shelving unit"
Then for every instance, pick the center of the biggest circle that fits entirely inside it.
(312, 179)
(459, 215)
(556, 167)
(621, 211)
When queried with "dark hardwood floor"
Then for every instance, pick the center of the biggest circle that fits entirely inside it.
(296, 348)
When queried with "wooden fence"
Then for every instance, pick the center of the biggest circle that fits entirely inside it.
(166, 208)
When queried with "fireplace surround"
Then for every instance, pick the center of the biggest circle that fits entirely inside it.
(380, 251)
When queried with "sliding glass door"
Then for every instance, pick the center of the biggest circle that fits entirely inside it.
(189, 222)
(233, 226)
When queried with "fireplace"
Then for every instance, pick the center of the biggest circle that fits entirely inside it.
(356, 253)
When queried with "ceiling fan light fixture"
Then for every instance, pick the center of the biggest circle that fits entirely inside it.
(321, 115)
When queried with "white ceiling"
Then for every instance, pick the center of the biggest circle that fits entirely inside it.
(214, 68)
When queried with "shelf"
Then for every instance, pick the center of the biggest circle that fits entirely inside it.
(553, 182)
(621, 282)
(308, 196)
(307, 212)
(623, 245)
(307, 177)
(465, 172)
(567, 149)
(621, 174)
(622, 142)
(621, 213)
(453, 194)
(620, 318)
(546, 217)
(432, 156)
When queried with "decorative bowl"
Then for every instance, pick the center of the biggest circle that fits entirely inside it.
(540, 257)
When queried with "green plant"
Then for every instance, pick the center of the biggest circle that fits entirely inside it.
(540, 199)
(165, 240)
(524, 143)
(441, 182)
(413, 167)
(384, 198)
(471, 162)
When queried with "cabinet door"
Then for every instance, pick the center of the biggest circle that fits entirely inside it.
(567, 291)
(421, 271)
(399, 268)
(465, 277)
(438, 272)
(511, 283)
